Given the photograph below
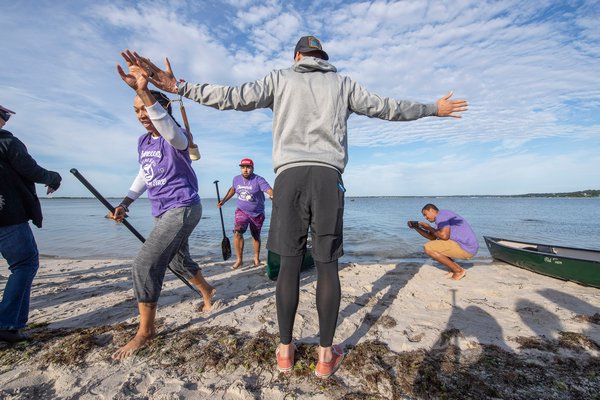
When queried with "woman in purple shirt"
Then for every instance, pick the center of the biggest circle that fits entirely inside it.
(166, 173)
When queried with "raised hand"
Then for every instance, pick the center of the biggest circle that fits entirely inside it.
(449, 108)
(137, 78)
(162, 79)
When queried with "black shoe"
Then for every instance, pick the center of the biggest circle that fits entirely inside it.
(12, 336)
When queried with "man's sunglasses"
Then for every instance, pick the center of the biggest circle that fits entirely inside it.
(5, 116)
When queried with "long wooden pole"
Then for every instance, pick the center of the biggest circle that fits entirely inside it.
(126, 223)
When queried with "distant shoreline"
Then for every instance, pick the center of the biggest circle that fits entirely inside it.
(589, 194)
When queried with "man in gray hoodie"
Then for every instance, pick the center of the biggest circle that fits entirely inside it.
(311, 104)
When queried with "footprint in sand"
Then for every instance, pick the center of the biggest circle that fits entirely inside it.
(413, 336)
(216, 305)
(440, 305)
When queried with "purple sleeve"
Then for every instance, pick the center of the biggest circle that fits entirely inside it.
(263, 184)
(443, 219)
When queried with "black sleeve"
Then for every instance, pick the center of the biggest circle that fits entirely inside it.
(20, 160)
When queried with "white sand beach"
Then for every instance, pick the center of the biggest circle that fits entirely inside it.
(410, 332)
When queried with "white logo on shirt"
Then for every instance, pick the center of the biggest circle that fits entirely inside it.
(244, 193)
(151, 153)
(148, 169)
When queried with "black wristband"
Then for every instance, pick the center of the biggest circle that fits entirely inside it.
(124, 207)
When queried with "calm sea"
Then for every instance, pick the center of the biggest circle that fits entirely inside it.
(374, 228)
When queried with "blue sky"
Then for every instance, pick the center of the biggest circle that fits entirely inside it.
(530, 71)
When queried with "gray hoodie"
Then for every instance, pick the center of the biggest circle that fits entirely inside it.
(311, 104)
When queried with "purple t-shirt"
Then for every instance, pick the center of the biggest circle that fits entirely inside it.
(250, 196)
(170, 179)
(460, 230)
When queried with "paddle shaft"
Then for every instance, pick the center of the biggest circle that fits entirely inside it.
(124, 222)
(220, 210)
(186, 124)
(105, 202)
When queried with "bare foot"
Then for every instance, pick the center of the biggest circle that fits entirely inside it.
(207, 296)
(134, 345)
(237, 264)
(457, 276)
(256, 262)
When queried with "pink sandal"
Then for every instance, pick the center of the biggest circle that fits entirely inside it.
(325, 369)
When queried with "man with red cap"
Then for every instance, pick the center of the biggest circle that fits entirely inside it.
(250, 209)
(18, 204)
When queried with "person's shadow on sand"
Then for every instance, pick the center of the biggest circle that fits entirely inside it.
(256, 282)
(584, 312)
(446, 356)
(538, 319)
(548, 325)
(390, 284)
(80, 284)
(114, 282)
(471, 321)
(570, 302)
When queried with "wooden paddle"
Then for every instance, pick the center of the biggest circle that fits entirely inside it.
(193, 148)
(225, 245)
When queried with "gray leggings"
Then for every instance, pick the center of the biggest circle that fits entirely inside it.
(167, 245)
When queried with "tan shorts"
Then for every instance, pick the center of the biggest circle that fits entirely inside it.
(449, 248)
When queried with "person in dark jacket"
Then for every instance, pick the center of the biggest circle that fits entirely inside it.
(18, 204)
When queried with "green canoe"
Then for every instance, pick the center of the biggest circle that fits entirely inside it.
(274, 262)
(567, 263)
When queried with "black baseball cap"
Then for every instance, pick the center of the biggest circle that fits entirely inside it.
(307, 44)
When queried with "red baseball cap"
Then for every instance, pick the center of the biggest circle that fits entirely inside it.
(247, 162)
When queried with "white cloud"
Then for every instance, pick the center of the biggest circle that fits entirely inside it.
(256, 14)
(451, 173)
(529, 71)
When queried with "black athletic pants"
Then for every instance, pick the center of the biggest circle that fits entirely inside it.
(328, 298)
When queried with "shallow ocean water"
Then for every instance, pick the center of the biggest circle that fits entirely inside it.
(374, 227)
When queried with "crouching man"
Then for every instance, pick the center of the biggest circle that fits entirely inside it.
(451, 238)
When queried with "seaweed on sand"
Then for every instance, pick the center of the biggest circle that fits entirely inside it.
(577, 341)
(591, 319)
(370, 371)
(70, 348)
(56, 346)
(215, 348)
(488, 371)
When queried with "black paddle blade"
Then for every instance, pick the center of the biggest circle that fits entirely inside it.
(226, 247)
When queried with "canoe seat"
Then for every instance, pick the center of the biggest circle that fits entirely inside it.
(545, 249)
(541, 248)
